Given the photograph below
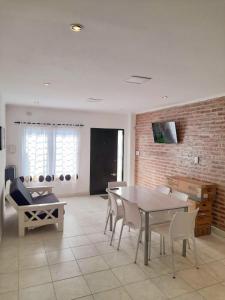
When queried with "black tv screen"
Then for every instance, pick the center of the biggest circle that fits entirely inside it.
(165, 133)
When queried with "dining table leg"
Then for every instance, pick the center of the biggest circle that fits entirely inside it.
(185, 241)
(146, 238)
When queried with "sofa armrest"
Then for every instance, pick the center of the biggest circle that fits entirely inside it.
(41, 206)
(40, 190)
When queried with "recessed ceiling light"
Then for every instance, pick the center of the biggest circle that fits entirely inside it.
(165, 97)
(46, 83)
(94, 100)
(137, 79)
(76, 27)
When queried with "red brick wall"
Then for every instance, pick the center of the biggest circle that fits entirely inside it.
(201, 132)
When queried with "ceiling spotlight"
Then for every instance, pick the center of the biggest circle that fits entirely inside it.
(76, 27)
(137, 79)
(46, 83)
(165, 97)
(94, 100)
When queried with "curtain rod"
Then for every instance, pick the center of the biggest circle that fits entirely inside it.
(48, 124)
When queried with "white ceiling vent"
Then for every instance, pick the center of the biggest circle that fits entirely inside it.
(136, 79)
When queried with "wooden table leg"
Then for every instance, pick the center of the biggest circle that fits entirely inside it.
(146, 238)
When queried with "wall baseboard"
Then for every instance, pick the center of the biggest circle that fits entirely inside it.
(218, 231)
(67, 195)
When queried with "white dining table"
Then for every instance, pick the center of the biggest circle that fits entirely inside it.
(150, 201)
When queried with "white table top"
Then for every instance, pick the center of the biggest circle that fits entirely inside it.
(148, 200)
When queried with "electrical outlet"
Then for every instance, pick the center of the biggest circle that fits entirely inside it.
(196, 160)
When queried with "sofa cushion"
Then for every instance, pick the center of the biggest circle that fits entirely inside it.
(45, 199)
(19, 193)
(49, 198)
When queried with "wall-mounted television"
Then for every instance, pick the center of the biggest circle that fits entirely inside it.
(165, 132)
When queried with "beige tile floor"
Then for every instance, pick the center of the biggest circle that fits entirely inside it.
(80, 264)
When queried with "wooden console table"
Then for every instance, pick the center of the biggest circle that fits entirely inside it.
(201, 195)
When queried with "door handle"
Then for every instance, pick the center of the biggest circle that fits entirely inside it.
(113, 174)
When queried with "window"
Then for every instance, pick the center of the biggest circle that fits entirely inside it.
(50, 151)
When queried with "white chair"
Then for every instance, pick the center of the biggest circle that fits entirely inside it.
(117, 211)
(181, 228)
(163, 189)
(111, 185)
(132, 218)
(179, 195)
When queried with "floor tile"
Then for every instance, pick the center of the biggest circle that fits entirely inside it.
(92, 264)
(78, 241)
(197, 279)
(116, 259)
(216, 269)
(85, 251)
(98, 237)
(64, 270)
(190, 296)
(9, 296)
(55, 244)
(215, 292)
(59, 256)
(144, 290)
(43, 292)
(33, 261)
(71, 288)
(31, 249)
(8, 265)
(8, 282)
(104, 247)
(171, 287)
(129, 274)
(115, 294)
(32, 277)
(101, 281)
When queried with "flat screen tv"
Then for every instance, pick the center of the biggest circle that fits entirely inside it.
(165, 133)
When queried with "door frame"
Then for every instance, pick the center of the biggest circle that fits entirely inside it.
(123, 133)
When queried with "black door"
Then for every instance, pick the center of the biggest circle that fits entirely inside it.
(106, 153)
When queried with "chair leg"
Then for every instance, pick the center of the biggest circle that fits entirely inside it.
(163, 245)
(107, 221)
(138, 242)
(149, 247)
(188, 244)
(195, 252)
(172, 258)
(160, 247)
(121, 231)
(114, 228)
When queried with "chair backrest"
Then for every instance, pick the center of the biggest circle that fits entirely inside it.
(113, 202)
(179, 195)
(163, 189)
(115, 184)
(182, 225)
(132, 215)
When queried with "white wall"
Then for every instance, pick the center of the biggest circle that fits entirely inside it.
(2, 169)
(89, 119)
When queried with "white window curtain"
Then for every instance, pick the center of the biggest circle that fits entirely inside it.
(49, 151)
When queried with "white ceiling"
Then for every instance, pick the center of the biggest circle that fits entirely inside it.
(179, 43)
